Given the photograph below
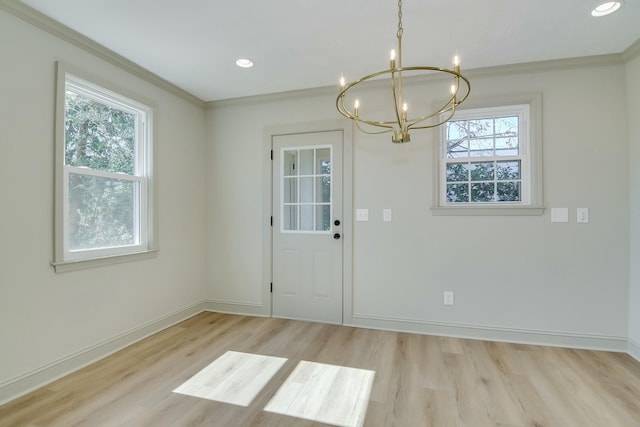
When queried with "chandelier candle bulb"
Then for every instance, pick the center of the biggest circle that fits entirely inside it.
(343, 83)
(356, 106)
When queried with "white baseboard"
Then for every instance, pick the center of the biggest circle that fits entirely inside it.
(490, 333)
(23, 384)
(634, 349)
(237, 307)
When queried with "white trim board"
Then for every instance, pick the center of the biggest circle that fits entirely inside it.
(236, 307)
(491, 333)
(634, 349)
(29, 381)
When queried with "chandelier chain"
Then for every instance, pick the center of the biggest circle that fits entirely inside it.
(400, 29)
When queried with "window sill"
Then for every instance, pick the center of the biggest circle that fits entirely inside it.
(84, 264)
(487, 210)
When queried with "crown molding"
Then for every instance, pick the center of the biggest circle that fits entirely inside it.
(632, 51)
(43, 22)
(510, 69)
(548, 65)
(273, 97)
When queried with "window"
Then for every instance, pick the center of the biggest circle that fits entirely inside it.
(306, 189)
(488, 160)
(103, 171)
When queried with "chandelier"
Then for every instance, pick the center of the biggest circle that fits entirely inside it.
(402, 121)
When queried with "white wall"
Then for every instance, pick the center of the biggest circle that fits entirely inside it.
(633, 114)
(46, 318)
(519, 278)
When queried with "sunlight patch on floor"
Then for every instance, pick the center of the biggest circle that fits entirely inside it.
(234, 378)
(330, 394)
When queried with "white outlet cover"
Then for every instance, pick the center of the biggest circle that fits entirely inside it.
(582, 215)
(448, 298)
(386, 215)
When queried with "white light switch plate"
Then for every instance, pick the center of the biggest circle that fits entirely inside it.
(386, 215)
(559, 214)
(362, 214)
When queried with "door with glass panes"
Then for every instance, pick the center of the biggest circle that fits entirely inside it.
(307, 228)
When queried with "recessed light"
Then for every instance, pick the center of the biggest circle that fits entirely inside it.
(244, 63)
(606, 8)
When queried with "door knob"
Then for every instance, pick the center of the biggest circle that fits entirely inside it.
(336, 236)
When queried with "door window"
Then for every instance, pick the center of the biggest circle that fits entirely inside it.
(306, 189)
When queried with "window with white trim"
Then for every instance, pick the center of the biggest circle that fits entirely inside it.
(103, 173)
(485, 159)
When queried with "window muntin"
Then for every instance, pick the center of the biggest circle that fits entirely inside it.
(306, 189)
(484, 158)
(105, 172)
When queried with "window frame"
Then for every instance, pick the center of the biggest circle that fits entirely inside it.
(144, 246)
(530, 155)
(299, 204)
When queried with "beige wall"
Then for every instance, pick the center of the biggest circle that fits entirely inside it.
(46, 318)
(633, 114)
(520, 278)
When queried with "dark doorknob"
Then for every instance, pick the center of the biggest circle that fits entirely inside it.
(336, 236)
(336, 222)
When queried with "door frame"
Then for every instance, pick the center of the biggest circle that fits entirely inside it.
(346, 127)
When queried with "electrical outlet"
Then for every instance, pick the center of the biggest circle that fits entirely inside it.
(448, 298)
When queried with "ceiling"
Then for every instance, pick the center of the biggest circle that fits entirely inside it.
(301, 44)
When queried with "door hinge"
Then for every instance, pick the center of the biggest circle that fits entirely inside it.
(271, 154)
(271, 288)
(272, 221)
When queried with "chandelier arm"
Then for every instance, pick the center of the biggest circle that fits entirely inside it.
(395, 97)
(452, 112)
(447, 106)
(363, 130)
(343, 110)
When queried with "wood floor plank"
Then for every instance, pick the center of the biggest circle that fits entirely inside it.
(419, 380)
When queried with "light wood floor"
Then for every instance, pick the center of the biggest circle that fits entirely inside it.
(420, 380)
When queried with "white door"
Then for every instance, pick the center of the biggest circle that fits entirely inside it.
(307, 226)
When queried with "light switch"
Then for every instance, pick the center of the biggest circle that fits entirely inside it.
(559, 214)
(386, 215)
(362, 214)
(582, 215)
